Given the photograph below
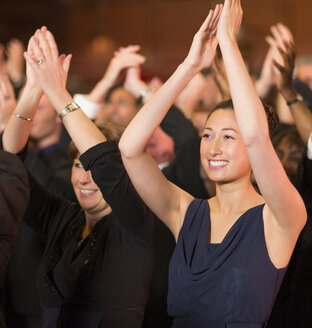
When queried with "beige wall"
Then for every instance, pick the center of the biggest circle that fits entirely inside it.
(164, 28)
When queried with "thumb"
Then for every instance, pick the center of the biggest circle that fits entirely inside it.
(66, 62)
(30, 61)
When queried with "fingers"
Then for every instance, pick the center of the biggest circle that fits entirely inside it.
(31, 61)
(52, 44)
(66, 63)
(288, 57)
(278, 66)
(31, 48)
(215, 19)
(36, 49)
(129, 59)
(285, 32)
(217, 14)
(205, 26)
(271, 41)
(281, 34)
(211, 22)
(130, 48)
(43, 45)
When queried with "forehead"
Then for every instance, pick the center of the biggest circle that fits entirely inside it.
(121, 93)
(222, 118)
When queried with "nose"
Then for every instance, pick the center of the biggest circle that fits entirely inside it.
(112, 107)
(215, 147)
(85, 177)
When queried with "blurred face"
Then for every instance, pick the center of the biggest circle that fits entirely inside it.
(46, 122)
(290, 155)
(223, 153)
(304, 73)
(120, 108)
(161, 147)
(87, 192)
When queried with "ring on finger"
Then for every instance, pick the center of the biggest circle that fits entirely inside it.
(41, 61)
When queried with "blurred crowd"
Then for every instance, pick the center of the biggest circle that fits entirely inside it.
(284, 83)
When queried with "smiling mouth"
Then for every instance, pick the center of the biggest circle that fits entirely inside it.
(87, 192)
(217, 164)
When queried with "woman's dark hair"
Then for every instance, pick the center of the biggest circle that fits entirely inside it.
(272, 117)
(112, 132)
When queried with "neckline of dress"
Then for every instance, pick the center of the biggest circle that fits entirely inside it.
(232, 226)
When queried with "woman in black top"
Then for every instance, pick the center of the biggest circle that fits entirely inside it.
(97, 265)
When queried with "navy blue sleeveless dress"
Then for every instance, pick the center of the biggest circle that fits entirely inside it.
(232, 284)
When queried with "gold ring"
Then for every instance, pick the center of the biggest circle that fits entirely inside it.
(41, 61)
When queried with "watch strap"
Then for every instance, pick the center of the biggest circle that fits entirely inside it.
(70, 107)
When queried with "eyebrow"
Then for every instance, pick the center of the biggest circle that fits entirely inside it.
(224, 129)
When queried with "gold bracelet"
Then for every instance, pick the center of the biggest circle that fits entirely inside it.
(23, 118)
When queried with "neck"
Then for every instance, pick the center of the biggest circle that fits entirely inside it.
(49, 140)
(237, 196)
(92, 219)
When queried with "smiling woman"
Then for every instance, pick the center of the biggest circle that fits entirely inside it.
(99, 254)
(232, 250)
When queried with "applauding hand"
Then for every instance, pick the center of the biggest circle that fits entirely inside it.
(204, 44)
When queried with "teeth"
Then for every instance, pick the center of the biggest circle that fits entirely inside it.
(218, 163)
(87, 191)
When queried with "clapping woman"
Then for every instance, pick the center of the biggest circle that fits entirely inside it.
(233, 249)
(97, 264)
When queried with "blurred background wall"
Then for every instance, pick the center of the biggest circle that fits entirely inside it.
(92, 29)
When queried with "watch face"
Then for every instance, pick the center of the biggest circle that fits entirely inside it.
(68, 108)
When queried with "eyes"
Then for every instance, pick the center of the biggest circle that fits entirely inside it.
(119, 102)
(78, 165)
(225, 137)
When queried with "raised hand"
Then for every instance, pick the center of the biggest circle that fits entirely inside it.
(51, 70)
(230, 20)
(280, 35)
(7, 100)
(286, 70)
(123, 58)
(31, 78)
(203, 48)
(15, 61)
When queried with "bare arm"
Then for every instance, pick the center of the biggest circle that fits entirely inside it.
(166, 200)
(284, 202)
(51, 76)
(17, 130)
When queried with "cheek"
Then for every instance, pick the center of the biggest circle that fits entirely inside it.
(203, 150)
(240, 155)
(73, 177)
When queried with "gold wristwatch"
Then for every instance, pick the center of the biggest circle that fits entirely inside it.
(70, 107)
